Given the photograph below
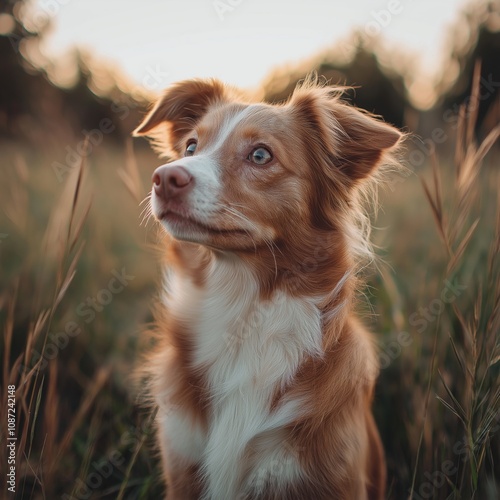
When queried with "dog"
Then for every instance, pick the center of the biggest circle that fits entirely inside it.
(263, 375)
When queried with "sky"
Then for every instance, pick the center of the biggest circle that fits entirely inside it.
(157, 42)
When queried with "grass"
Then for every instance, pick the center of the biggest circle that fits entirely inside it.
(80, 431)
(446, 434)
(75, 418)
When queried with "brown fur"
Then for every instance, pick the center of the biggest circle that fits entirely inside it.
(326, 156)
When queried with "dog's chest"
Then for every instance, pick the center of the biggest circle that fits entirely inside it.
(249, 349)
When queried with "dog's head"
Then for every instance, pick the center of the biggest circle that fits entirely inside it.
(248, 175)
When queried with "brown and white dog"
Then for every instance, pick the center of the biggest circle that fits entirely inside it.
(263, 375)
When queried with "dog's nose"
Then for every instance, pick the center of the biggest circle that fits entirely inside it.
(169, 182)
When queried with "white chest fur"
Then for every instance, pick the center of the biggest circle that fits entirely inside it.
(250, 349)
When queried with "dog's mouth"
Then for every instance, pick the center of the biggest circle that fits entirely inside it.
(184, 223)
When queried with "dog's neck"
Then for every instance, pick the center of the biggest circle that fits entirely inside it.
(261, 281)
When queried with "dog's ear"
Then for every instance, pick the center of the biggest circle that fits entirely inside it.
(177, 111)
(354, 140)
(364, 140)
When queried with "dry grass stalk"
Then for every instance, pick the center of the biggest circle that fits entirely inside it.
(36, 391)
(474, 397)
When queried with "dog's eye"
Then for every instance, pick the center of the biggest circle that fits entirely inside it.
(260, 156)
(190, 148)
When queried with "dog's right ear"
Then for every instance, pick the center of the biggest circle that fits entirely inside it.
(177, 111)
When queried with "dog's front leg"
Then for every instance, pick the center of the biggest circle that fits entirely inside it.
(181, 442)
(182, 478)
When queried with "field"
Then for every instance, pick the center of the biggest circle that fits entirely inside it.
(79, 276)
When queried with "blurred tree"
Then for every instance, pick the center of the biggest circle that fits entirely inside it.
(377, 89)
(475, 37)
(35, 110)
(15, 81)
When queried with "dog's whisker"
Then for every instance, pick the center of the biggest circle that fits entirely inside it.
(147, 198)
(147, 211)
(269, 242)
(232, 213)
(147, 215)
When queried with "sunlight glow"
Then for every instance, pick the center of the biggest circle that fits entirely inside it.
(240, 41)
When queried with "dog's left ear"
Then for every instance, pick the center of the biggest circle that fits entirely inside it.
(178, 110)
(354, 140)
